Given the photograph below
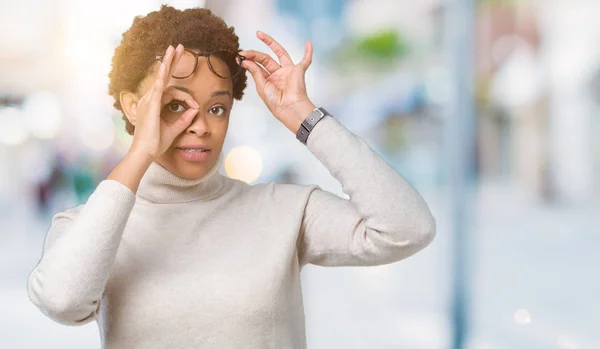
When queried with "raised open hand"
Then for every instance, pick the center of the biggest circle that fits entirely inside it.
(281, 85)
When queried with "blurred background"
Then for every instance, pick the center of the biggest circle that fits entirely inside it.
(490, 108)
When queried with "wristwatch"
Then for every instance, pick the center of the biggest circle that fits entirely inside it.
(309, 123)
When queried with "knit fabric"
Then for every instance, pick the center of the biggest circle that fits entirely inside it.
(215, 262)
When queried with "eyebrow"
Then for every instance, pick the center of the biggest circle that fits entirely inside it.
(214, 94)
(221, 93)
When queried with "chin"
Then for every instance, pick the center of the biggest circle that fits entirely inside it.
(187, 169)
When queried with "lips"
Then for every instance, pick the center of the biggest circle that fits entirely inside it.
(203, 147)
(193, 154)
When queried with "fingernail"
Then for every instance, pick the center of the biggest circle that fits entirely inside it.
(179, 47)
(170, 49)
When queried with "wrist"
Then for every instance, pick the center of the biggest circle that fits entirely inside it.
(130, 170)
(140, 156)
(300, 112)
(309, 123)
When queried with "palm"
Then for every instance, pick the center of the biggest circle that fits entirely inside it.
(284, 87)
(281, 85)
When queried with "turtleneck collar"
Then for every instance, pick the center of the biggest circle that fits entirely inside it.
(159, 185)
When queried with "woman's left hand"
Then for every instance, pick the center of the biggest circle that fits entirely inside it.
(281, 85)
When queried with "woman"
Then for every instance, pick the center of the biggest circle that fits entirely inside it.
(169, 253)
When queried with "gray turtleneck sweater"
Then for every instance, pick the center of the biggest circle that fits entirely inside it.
(215, 262)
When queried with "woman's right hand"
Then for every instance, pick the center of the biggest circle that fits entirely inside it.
(153, 135)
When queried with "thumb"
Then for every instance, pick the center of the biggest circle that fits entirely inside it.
(184, 121)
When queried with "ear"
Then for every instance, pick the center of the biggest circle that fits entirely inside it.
(129, 102)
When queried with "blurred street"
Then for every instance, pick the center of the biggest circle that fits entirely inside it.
(529, 262)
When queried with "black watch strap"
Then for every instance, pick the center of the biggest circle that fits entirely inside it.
(309, 123)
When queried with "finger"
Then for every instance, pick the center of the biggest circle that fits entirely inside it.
(307, 59)
(282, 54)
(172, 93)
(258, 74)
(163, 76)
(159, 82)
(264, 59)
(174, 58)
(182, 123)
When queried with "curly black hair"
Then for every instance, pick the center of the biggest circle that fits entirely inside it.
(150, 35)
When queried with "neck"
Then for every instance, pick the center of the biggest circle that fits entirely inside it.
(159, 185)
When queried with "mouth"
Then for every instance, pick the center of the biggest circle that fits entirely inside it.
(194, 154)
(194, 150)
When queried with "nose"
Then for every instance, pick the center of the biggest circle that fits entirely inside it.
(199, 126)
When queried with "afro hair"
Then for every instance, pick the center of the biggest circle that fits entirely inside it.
(150, 35)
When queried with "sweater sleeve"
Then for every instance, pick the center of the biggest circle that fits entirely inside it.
(80, 247)
(383, 221)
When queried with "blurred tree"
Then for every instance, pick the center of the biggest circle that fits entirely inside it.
(383, 45)
(378, 51)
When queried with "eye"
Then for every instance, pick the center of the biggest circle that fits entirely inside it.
(215, 111)
(176, 106)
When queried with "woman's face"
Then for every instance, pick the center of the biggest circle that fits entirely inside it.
(209, 126)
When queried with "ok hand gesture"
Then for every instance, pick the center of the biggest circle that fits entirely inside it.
(153, 135)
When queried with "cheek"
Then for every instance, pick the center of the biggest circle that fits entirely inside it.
(169, 116)
(223, 128)
(219, 133)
